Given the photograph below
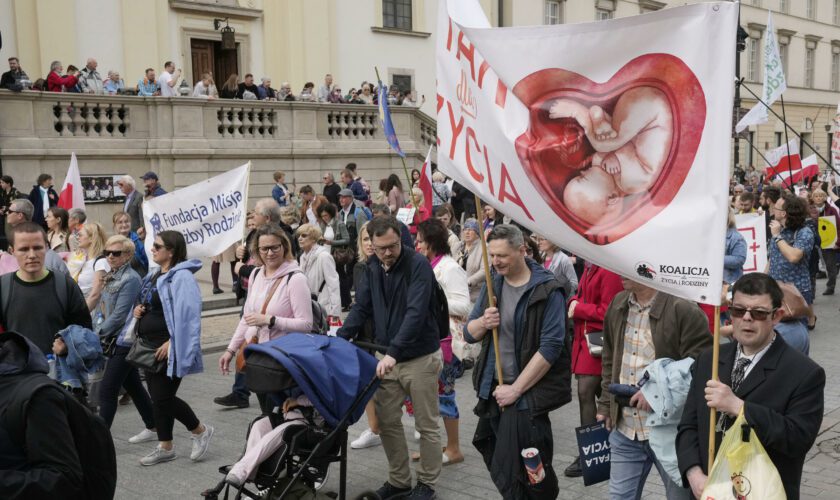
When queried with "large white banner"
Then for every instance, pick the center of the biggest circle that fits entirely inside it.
(611, 138)
(754, 230)
(210, 214)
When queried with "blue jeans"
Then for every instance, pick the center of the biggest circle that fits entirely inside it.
(118, 373)
(630, 462)
(239, 388)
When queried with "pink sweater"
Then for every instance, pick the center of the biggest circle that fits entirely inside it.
(290, 304)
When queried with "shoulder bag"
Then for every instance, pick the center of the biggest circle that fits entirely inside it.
(594, 341)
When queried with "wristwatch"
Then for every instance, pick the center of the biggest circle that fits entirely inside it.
(272, 321)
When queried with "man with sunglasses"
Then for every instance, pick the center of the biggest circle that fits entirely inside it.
(397, 292)
(779, 390)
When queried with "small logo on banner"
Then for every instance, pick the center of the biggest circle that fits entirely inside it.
(645, 270)
(157, 227)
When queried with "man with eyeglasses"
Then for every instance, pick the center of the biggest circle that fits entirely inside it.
(33, 287)
(641, 327)
(397, 292)
(779, 390)
(331, 188)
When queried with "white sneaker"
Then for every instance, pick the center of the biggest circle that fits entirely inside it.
(416, 435)
(201, 443)
(158, 456)
(367, 440)
(145, 435)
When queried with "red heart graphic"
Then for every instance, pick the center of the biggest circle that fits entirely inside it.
(558, 154)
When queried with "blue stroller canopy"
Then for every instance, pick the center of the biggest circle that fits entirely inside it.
(329, 370)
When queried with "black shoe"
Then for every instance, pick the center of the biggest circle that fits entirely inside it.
(422, 492)
(232, 401)
(573, 470)
(345, 309)
(389, 491)
(828, 291)
(125, 399)
(217, 291)
(821, 275)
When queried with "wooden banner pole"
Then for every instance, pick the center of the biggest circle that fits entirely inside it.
(713, 411)
(491, 298)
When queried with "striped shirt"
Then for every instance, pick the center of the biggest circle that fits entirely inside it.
(639, 352)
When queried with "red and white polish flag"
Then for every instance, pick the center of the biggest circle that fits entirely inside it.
(807, 168)
(72, 194)
(783, 159)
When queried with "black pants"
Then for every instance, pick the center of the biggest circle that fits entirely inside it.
(345, 282)
(118, 373)
(167, 407)
(500, 437)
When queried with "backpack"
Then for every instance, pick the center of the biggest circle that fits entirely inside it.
(364, 209)
(320, 319)
(440, 305)
(91, 436)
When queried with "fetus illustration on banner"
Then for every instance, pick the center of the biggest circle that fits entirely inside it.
(609, 156)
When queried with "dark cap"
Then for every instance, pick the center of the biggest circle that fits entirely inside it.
(149, 175)
(345, 192)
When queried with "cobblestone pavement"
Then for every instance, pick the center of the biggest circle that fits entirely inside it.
(368, 468)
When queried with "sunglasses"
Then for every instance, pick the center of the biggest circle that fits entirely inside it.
(115, 253)
(158, 246)
(756, 314)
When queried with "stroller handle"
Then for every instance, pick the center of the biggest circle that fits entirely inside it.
(369, 345)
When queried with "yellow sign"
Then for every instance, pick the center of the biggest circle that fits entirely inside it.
(828, 232)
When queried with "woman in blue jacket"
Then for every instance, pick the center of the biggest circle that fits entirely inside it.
(169, 318)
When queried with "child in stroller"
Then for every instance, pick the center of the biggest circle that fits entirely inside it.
(266, 436)
(318, 387)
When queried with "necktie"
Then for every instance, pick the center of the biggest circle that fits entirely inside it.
(739, 371)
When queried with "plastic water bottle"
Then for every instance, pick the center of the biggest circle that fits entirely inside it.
(51, 361)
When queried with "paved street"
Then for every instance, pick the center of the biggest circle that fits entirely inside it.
(468, 480)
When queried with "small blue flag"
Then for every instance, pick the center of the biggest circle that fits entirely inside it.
(385, 120)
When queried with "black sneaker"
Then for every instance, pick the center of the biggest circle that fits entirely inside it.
(573, 470)
(422, 492)
(828, 291)
(217, 291)
(389, 491)
(232, 401)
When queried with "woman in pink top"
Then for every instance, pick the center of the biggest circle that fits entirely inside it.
(278, 287)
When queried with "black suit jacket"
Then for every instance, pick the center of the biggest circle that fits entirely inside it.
(783, 402)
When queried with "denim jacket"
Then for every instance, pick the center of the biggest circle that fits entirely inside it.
(119, 294)
(666, 391)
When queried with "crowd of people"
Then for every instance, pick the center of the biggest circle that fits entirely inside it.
(384, 281)
(170, 83)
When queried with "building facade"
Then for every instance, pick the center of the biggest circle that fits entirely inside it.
(302, 40)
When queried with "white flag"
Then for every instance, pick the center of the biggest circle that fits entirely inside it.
(774, 79)
(72, 193)
(754, 231)
(210, 214)
(547, 136)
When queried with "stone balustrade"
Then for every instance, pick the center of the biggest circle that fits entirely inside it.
(185, 139)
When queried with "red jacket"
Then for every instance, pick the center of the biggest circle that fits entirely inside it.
(595, 291)
(57, 83)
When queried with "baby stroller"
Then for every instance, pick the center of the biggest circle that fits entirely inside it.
(338, 379)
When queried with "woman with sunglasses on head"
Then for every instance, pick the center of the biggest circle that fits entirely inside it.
(122, 286)
(87, 266)
(279, 300)
(169, 321)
